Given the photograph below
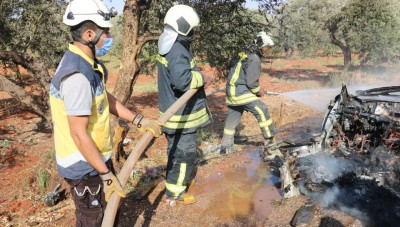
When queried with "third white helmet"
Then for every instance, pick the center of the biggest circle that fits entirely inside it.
(182, 18)
(262, 40)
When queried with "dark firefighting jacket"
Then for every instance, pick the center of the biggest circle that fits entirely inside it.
(177, 73)
(243, 79)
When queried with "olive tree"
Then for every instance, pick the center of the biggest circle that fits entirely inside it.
(369, 28)
(224, 28)
(299, 27)
(31, 37)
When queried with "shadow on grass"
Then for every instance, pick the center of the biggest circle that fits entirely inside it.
(299, 75)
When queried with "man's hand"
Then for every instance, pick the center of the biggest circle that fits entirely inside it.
(207, 80)
(260, 93)
(151, 125)
(111, 184)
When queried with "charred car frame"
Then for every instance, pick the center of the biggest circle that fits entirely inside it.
(353, 163)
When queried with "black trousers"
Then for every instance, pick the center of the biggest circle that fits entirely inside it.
(182, 151)
(89, 199)
(258, 109)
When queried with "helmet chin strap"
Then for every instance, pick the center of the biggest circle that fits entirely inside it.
(91, 44)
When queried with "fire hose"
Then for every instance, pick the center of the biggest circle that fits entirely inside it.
(123, 175)
(271, 93)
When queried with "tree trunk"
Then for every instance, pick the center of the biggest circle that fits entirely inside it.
(22, 96)
(129, 67)
(119, 155)
(132, 46)
(129, 62)
(343, 45)
(40, 103)
(347, 57)
(36, 68)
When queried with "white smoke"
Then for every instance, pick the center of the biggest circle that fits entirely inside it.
(361, 79)
(324, 167)
(329, 197)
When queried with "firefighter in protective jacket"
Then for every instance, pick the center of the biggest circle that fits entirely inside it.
(243, 91)
(177, 73)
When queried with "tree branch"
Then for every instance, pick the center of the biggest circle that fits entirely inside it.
(37, 69)
(39, 104)
(23, 97)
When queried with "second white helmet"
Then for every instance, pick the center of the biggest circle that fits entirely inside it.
(262, 40)
(79, 11)
(182, 19)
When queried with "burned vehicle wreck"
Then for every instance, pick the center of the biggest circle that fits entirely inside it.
(352, 164)
(363, 122)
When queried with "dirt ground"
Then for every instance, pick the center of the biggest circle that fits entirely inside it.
(232, 190)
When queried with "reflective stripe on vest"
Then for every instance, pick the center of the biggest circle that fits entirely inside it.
(187, 121)
(197, 78)
(233, 99)
(162, 60)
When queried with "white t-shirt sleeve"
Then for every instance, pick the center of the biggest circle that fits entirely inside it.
(77, 95)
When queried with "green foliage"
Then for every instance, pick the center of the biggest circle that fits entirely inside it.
(5, 143)
(225, 26)
(330, 49)
(146, 88)
(148, 57)
(117, 35)
(300, 27)
(370, 28)
(34, 28)
(374, 26)
(43, 180)
(337, 79)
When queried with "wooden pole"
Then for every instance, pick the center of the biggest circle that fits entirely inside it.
(123, 175)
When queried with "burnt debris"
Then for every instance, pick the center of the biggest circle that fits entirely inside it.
(364, 122)
(353, 164)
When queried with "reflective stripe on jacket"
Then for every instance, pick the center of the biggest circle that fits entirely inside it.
(177, 73)
(70, 162)
(243, 80)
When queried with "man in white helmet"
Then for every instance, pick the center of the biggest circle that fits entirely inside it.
(243, 90)
(177, 73)
(80, 107)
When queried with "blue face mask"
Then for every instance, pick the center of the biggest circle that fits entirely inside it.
(107, 44)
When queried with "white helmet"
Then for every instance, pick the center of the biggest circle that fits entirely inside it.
(182, 18)
(79, 11)
(262, 40)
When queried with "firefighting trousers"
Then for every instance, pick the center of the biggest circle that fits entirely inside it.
(182, 151)
(258, 109)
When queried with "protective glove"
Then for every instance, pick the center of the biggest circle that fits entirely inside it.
(111, 184)
(260, 93)
(151, 125)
